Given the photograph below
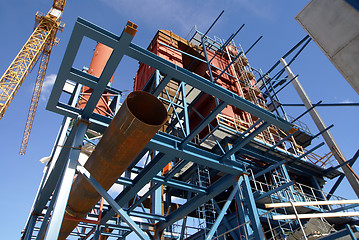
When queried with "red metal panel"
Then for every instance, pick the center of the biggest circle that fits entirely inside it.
(101, 55)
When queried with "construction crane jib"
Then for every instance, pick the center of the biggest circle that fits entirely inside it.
(39, 44)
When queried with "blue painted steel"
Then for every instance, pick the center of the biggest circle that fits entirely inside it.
(226, 68)
(150, 170)
(169, 145)
(66, 182)
(203, 84)
(227, 42)
(353, 3)
(224, 210)
(253, 45)
(245, 140)
(350, 206)
(113, 204)
(227, 224)
(275, 190)
(149, 216)
(206, 57)
(280, 142)
(162, 85)
(187, 54)
(351, 162)
(48, 213)
(176, 169)
(350, 231)
(268, 169)
(308, 110)
(180, 185)
(213, 190)
(83, 28)
(145, 196)
(30, 227)
(308, 152)
(209, 29)
(54, 175)
(204, 123)
(252, 208)
(185, 110)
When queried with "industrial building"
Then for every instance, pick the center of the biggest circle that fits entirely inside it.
(202, 148)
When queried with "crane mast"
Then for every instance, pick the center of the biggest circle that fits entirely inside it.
(40, 42)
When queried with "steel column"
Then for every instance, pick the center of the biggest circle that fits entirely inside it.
(334, 148)
(252, 208)
(224, 209)
(66, 182)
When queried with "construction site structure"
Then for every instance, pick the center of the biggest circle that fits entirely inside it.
(202, 149)
(38, 46)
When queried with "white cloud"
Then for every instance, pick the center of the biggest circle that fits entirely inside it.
(346, 101)
(181, 15)
(47, 86)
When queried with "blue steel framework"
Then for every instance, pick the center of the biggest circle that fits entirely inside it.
(242, 179)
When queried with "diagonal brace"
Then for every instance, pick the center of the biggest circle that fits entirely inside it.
(113, 204)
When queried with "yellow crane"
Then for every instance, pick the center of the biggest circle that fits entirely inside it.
(39, 45)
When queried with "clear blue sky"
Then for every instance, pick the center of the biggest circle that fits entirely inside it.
(21, 175)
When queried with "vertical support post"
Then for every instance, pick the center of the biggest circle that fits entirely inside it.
(299, 221)
(96, 235)
(286, 175)
(43, 227)
(157, 197)
(352, 236)
(185, 110)
(224, 209)
(318, 194)
(252, 208)
(30, 227)
(66, 182)
(354, 182)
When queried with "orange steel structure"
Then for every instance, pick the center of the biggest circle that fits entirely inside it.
(238, 79)
(101, 55)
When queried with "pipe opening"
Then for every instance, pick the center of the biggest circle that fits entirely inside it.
(147, 108)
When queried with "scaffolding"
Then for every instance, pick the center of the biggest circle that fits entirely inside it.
(227, 149)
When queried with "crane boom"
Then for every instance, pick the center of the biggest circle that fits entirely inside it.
(13, 77)
(36, 95)
(40, 42)
(15, 74)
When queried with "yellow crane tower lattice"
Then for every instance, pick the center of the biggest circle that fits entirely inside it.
(40, 42)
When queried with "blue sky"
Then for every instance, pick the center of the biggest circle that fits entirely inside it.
(21, 175)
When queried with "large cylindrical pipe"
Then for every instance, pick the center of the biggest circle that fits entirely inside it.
(137, 121)
(99, 60)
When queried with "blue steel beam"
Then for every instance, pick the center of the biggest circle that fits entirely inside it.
(244, 141)
(252, 209)
(49, 186)
(145, 176)
(203, 84)
(224, 210)
(66, 182)
(83, 28)
(169, 145)
(277, 189)
(114, 205)
(168, 182)
(227, 224)
(204, 123)
(162, 85)
(213, 190)
(268, 169)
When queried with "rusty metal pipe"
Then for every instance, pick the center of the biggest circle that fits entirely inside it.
(137, 121)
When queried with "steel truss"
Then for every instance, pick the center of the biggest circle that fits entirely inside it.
(177, 146)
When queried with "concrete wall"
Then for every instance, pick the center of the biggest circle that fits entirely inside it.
(334, 26)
